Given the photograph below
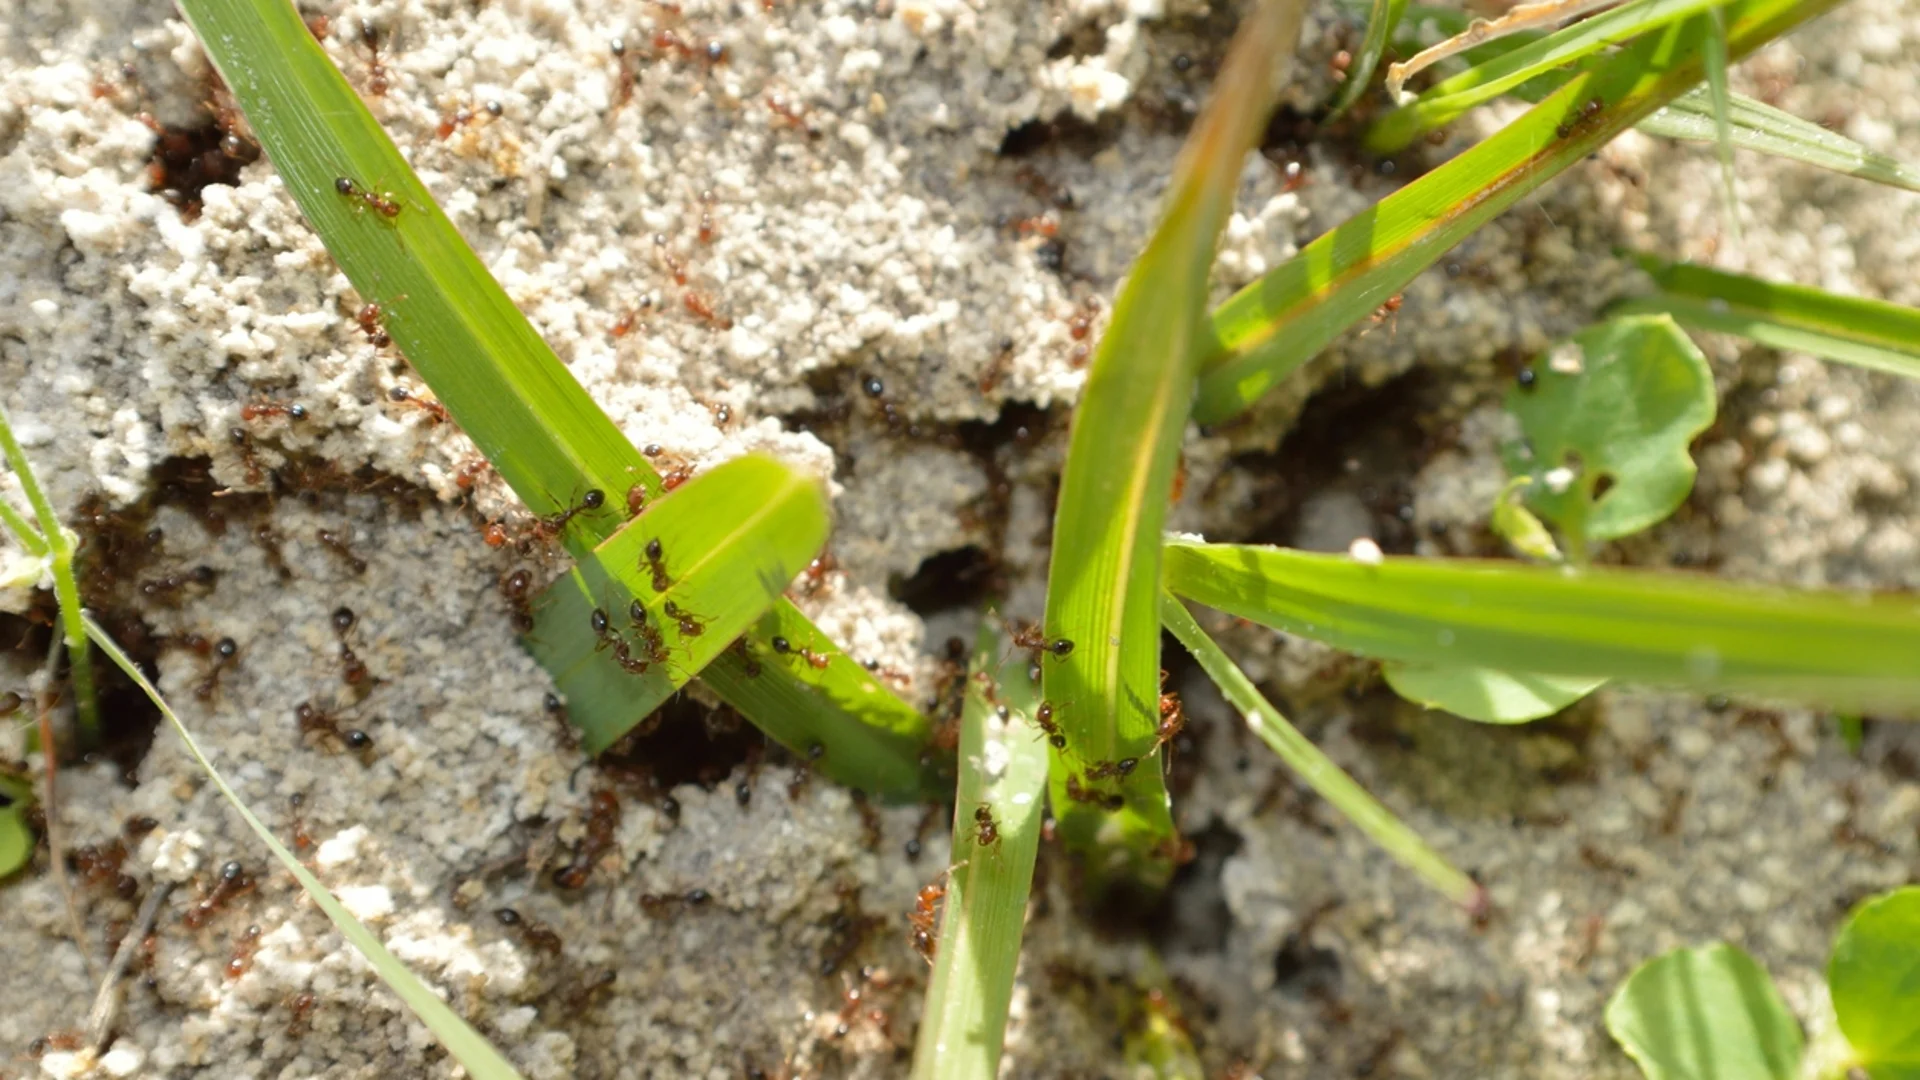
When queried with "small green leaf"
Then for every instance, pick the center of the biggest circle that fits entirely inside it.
(16, 840)
(1853, 731)
(1717, 93)
(1705, 1014)
(1518, 526)
(1486, 695)
(1763, 128)
(1875, 978)
(1607, 421)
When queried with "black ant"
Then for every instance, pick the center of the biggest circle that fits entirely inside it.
(985, 830)
(1120, 769)
(436, 412)
(352, 670)
(536, 934)
(1030, 638)
(816, 660)
(1043, 717)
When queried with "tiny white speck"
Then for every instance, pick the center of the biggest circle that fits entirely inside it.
(1023, 798)
(1559, 480)
(1364, 550)
(1566, 360)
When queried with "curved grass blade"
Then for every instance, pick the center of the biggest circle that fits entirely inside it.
(1314, 767)
(467, 1046)
(1103, 580)
(1763, 128)
(1381, 23)
(1003, 767)
(727, 545)
(464, 336)
(1446, 100)
(56, 544)
(1717, 95)
(1866, 333)
(1282, 320)
(1836, 649)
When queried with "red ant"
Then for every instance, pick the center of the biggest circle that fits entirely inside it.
(1173, 719)
(690, 625)
(925, 917)
(1043, 718)
(618, 47)
(986, 832)
(630, 318)
(1081, 793)
(792, 114)
(376, 71)
(1042, 225)
(59, 1041)
(1030, 638)
(817, 661)
(514, 587)
(373, 324)
(352, 670)
(603, 819)
(302, 841)
(536, 934)
(1293, 177)
(313, 721)
(814, 578)
(656, 561)
(1120, 769)
(1080, 323)
(224, 651)
(382, 202)
(260, 410)
(468, 475)
(233, 881)
(1386, 311)
(707, 231)
(636, 500)
(241, 961)
(436, 412)
(300, 1007)
(551, 526)
(699, 305)
(463, 116)
(336, 543)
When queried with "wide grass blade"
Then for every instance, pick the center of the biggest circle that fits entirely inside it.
(467, 1046)
(1003, 768)
(1763, 128)
(1104, 578)
(1381, 22)
(1836, 649)
(727, 545)
(1866, 333)
(1282, 320)
(1448, 99)
(481, 357)
(1315, 767)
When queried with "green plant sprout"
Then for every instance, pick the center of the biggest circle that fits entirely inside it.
(50, 549)
(1712, 1012)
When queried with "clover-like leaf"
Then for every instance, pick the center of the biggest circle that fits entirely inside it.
(1705, 1014)
(1607, 418)
(1875, 979)
(1485, 694)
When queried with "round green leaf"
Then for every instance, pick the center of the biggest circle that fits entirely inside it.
(1875, 978)
(1607, 418)
(1487, 695)
(16, 840)
(1705, 1014)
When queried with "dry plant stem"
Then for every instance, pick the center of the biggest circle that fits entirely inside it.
(59, 548)
(56, 850)
(1521, 17)
(106, 1004)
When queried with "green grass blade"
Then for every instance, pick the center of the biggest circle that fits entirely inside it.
(487, 365)
(729, 542)
(1717, 94)
(1837, 649)
(1763, 128)
(473, 1052)
(1448, 99)
(1282, 320)
(1867, 333)
(1003, 766)
(1103, 580)
(1315, 767)
(57, 545)
(1381, 22)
